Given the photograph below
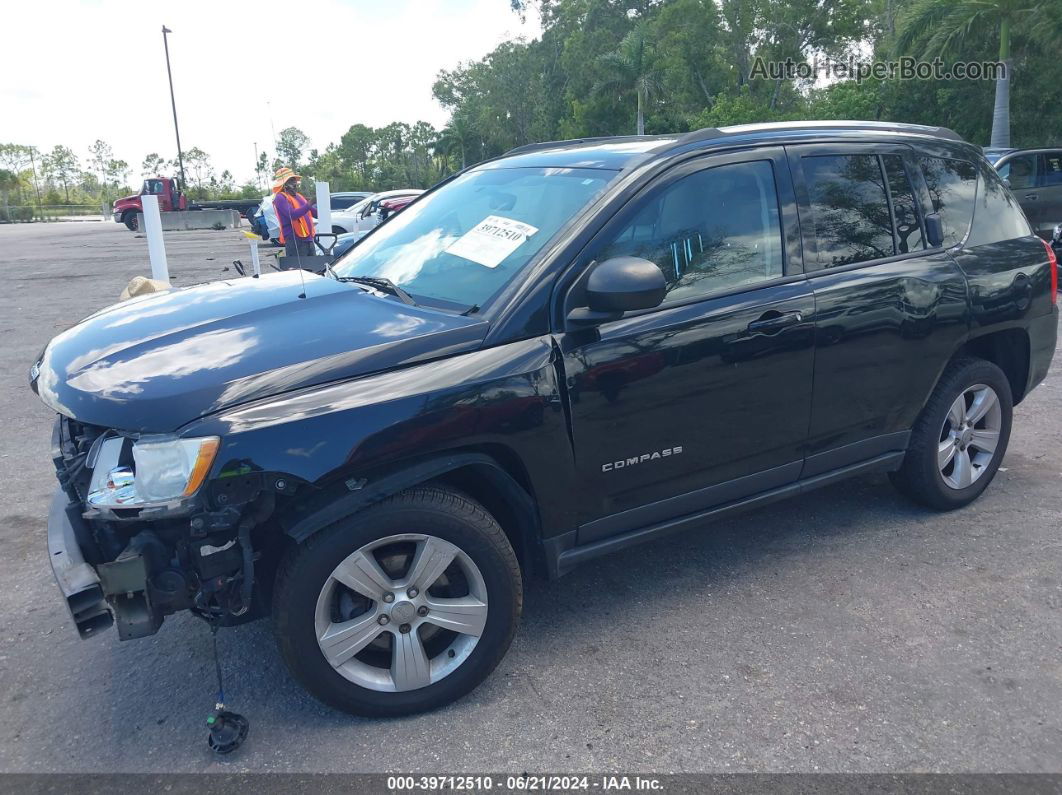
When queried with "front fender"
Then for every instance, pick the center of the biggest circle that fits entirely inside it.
(505, 397)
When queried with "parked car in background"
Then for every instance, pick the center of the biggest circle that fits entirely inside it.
(560, 353)
(389, 207)
(348, 198)
(1035, 178)
(344, 243)
(992, 154)
(365, 215)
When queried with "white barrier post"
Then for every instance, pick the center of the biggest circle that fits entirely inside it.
(324, 208)
(153, 230)
(256, 266)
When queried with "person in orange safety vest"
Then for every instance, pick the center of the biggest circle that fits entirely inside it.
(294, 214)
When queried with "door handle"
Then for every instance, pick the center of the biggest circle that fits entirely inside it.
(1032, 196)
(772, 322)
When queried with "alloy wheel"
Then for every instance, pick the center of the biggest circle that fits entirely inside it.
(969, 437)
(401, 612)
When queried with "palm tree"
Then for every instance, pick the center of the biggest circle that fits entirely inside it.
(454, 138)
(632, 66)
(945, 26)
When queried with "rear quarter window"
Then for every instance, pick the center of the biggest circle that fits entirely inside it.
(952, 188)
(997, 216)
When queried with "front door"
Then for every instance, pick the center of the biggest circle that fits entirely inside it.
(706, 398)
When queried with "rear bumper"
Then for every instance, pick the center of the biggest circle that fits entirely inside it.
(1043, 337)
(77, 580)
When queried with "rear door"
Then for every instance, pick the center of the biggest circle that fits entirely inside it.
(889, 310)
(704, 399)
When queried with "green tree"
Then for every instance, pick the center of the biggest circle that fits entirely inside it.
(355, 152)
(62, 164)
(8, 182)
(153, 166)
(100, 154)
(199, 170)
(632, 67)
(117, 172)
(953, 28)
(261, 169)
(291, 143)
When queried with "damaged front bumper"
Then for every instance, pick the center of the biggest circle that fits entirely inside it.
(97, 596)
(77, 580)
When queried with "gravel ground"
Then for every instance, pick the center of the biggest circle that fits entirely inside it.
(845, 630)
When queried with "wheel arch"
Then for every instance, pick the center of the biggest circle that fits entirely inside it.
(1008, 349)
(491, 475)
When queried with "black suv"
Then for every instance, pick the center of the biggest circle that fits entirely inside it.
(555, 354)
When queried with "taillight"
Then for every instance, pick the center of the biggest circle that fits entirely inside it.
(1053, 262)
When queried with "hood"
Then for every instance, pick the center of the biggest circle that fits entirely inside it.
(155, 363)
(129, 198)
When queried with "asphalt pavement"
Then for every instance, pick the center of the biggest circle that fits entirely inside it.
(845, 630)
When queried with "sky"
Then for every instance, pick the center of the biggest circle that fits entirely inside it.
(97, 69)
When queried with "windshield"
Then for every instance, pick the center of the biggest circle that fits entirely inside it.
(356, 208)
(465, 241)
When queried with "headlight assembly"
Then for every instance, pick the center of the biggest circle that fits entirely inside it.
(164, 469)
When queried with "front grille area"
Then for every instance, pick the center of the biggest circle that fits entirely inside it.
(72, 443)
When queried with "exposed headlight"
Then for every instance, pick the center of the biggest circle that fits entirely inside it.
(165, 468)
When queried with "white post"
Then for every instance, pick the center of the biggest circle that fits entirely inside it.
(256, 266)
(153, 230)
(324, 208)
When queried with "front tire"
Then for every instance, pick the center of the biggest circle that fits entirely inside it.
(960, 438)
(130, 221)
(401, 608)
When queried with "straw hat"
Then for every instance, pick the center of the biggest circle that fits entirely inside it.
(282, 176)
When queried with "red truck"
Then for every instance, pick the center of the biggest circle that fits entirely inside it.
(172, 198)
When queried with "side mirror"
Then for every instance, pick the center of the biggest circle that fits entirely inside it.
(934, 230)
(618, 285)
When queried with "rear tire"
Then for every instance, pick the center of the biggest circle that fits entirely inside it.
(351, 589)
(960, 437)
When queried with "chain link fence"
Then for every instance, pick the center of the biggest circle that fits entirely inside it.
(25, 213)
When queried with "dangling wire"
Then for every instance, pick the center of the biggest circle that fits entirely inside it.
(217, 666)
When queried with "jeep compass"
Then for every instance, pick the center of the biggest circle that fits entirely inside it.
(552, 355)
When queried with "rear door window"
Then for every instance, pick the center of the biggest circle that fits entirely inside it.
(850, 216)
(952, 187)
(997, 215)
(904, 207)
(1051, 169)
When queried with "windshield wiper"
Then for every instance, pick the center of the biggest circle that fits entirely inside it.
(382, 284)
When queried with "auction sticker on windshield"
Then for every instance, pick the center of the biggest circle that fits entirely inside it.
(491, 240)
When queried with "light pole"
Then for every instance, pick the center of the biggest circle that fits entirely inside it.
(173, 104)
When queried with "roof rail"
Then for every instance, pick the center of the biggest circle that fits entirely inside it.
(709, 133)
(551, 144)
